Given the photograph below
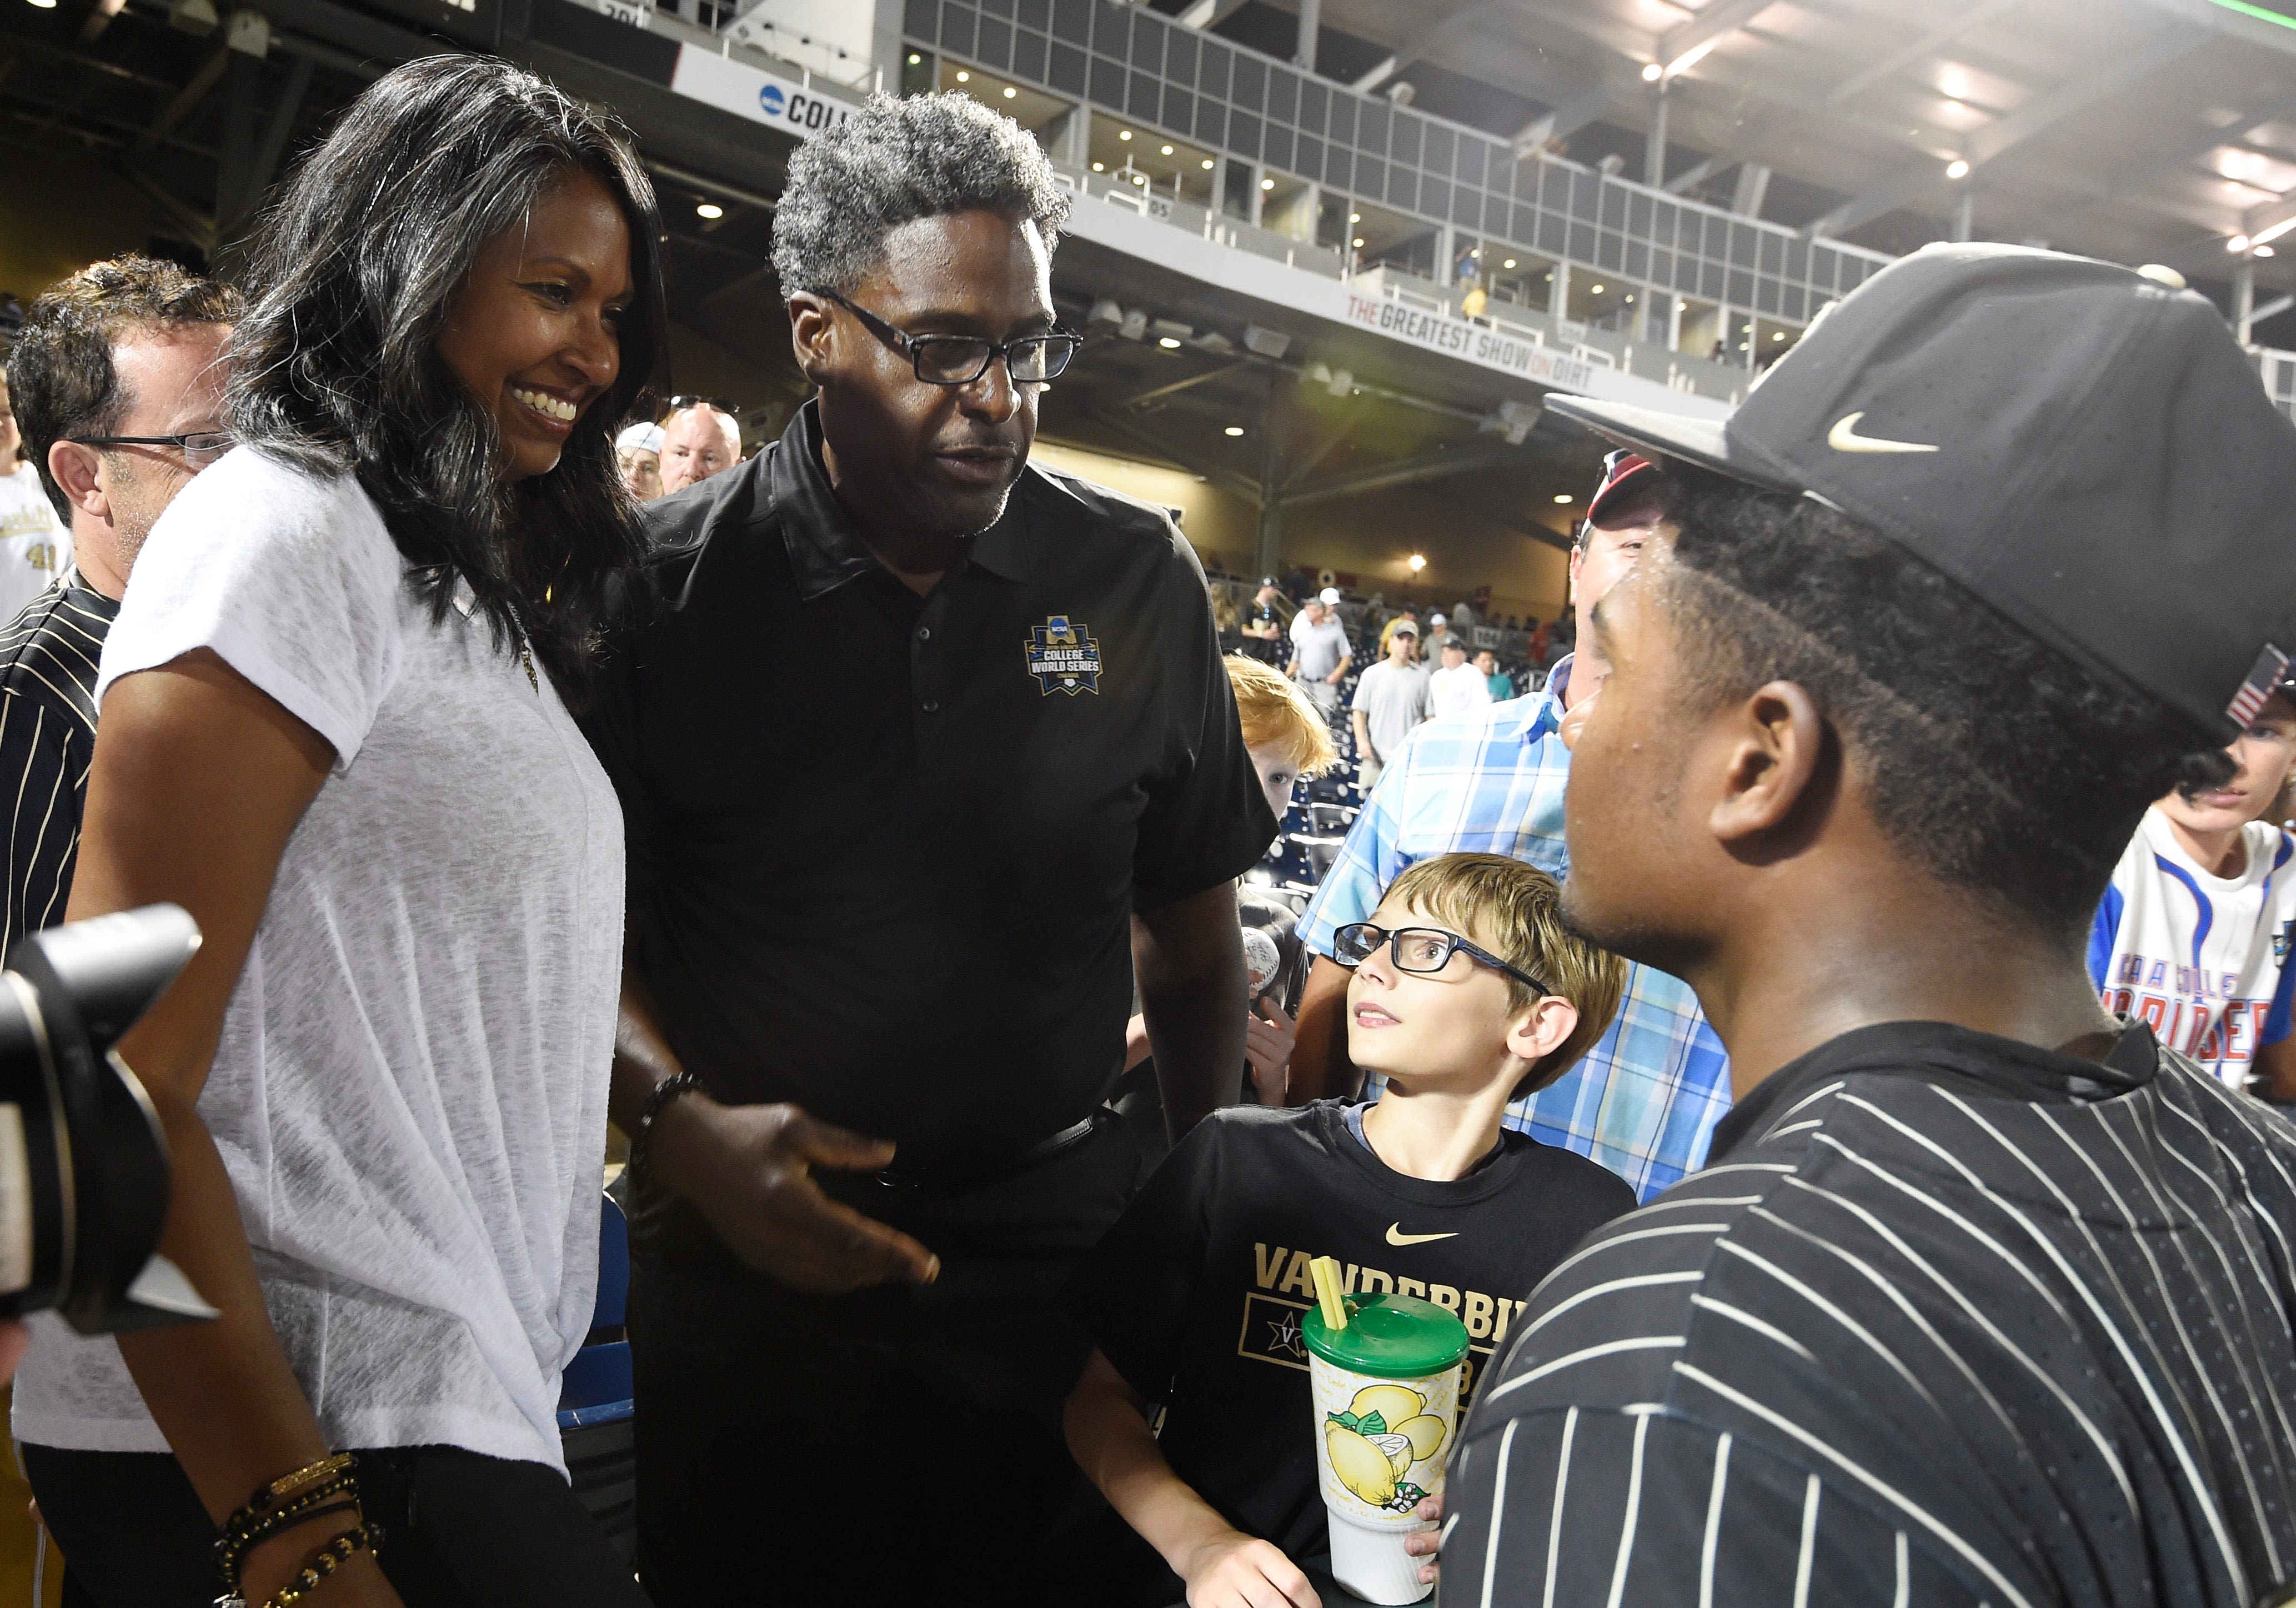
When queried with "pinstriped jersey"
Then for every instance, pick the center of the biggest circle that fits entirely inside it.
(1949, 1321)
(48, 656)
(2201, 959)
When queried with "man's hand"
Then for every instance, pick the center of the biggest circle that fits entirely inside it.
(1267, 1039)
(1236, 1571)
(748, 1169)
(1426, 1543)
(1338, 676)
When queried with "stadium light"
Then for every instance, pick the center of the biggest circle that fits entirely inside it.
(1652, 72)
(1957, 168)
(708, 209)
(2237, 244)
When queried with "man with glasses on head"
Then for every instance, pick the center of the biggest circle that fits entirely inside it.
(884, 927)
(117, 378)
(700, 438)
(1645, 1100)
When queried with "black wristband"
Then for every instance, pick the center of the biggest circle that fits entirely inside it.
(664, 1092)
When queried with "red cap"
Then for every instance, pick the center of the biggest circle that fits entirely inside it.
(1624, 473)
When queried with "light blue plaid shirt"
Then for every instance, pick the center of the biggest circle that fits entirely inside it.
(1645, 1100)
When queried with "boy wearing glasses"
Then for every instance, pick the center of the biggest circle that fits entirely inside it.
(1467, 992)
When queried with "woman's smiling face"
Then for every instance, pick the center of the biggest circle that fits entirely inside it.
(535, 332)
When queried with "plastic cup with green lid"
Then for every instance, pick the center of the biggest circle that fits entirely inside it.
(1386, 1389)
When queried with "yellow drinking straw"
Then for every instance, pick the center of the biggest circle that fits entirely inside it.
(1325, 1272)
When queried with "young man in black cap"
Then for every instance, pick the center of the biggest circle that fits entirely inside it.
(1984, 1296)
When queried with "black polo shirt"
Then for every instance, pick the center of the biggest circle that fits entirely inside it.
(1948, 1320)
(883, 847)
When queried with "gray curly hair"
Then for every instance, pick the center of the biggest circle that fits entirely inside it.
(896, 161)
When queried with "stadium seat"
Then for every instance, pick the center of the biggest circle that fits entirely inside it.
(595, 1411)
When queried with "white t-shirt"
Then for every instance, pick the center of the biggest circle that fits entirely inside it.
(410, 1091)
(1458, 690)
(2201, 958)
(1320, 648)
(35, 546)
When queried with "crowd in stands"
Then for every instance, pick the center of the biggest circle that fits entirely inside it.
(1815, 1015)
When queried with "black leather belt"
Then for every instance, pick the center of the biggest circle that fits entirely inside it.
(972, 1177)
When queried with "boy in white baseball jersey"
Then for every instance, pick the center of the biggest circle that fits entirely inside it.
(2194, 931)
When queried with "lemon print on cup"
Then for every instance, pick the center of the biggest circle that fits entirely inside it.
(1374, 1444)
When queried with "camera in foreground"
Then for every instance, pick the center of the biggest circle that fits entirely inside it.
(83, 1163)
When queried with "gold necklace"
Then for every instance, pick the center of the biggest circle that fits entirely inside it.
(525, 647)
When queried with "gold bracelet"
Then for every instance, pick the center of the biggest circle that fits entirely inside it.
(335, 1462)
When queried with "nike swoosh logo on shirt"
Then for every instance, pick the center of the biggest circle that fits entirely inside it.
(1396, 1236)
(1844, 437)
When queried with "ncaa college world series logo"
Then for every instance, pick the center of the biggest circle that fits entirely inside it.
(1063, 657)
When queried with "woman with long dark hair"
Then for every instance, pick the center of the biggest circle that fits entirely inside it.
(334, 727)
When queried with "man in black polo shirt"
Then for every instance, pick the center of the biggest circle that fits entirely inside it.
(906, 900)
(1984, 1295)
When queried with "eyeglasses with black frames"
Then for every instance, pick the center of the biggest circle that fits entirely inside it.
(200, 447)
(1421, 950)
(962, 359)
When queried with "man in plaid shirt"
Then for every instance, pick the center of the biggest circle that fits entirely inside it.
(1645, 1100)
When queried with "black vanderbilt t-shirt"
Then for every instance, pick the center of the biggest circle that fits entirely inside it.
(1195, 1296)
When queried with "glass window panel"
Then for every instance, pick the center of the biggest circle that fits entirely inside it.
(1637, 261)
(1283, 96)
(1275, 147)
(1404, 144)
(1441, 148)
(921, 20)
(1738, 290)
(1768, 298)
(1796, 259)
(1315, 103)
(995, 50)
(1308, 160)
(1402, 187)
(1072, 20)
(1581, 240)
(1553, 230)
(1067, 72)
(1211, 76)
(1435, 196)
(1338, 168)
(1639, 214)
(1467, 206)
(1036, 14)
(996, 8)
(1611, 250)
(1028, 55)
(1773, 257)
(1371, 127)
(1180, 57)
(1144, 97)
(1342, 123)
(1611, 201)
(1211, 123)
(1474, 159)
(1179, 109)
(957, 27)
(1251, 88)
(1244, 135)
(1371, 175)
(1745, 245)
(1107, 83)
(1148, 32)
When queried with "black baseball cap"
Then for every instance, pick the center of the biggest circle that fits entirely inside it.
(2083, 446)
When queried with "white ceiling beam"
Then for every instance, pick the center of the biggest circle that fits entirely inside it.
(1703, 31)
(1433, 40)
(1996, 139)
(1208, 13)
(1684, 183)
(1573, 114)
(1936, 39)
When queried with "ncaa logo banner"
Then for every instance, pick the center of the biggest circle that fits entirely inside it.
(733, 86)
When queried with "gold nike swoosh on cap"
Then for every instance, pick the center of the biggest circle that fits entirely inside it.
(1396, 1236)
(1844, 437)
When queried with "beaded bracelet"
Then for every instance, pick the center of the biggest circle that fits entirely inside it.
(323, 1562)
(232, 1550)
(667, 1090)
